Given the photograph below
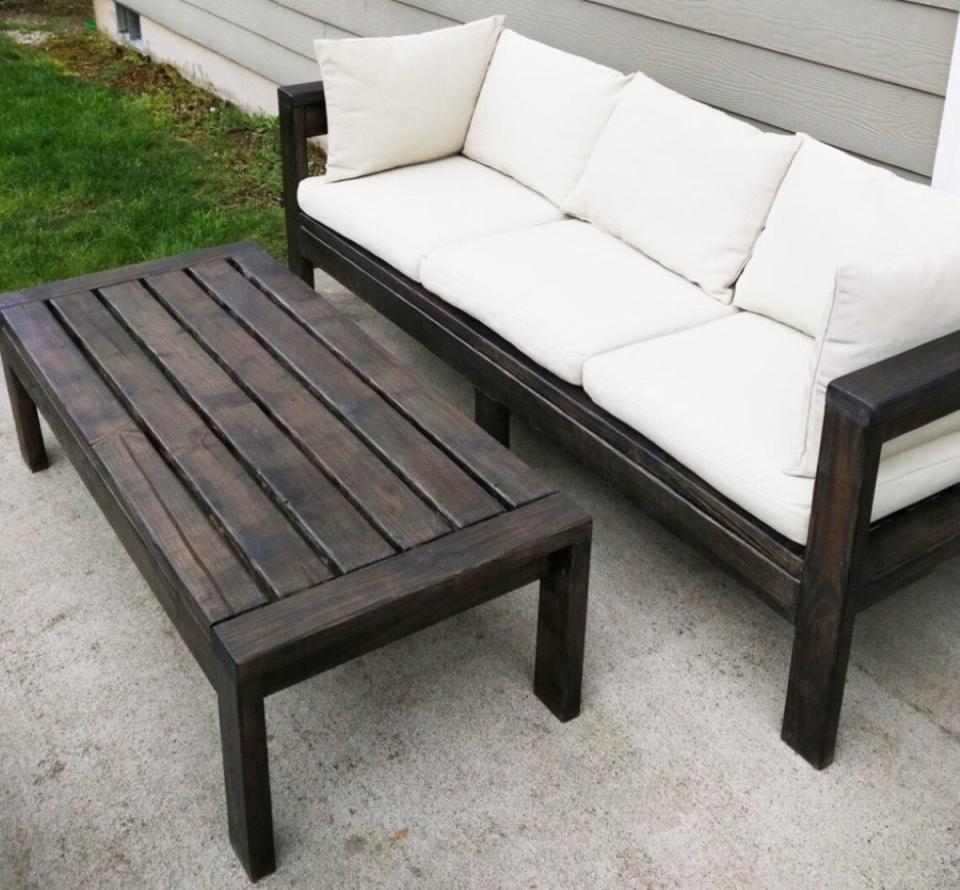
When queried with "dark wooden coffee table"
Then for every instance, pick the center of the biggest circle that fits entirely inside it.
(294, 497)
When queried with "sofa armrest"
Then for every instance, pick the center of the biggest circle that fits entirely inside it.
(310, 99)
(868, 407)
(903, 392)
(303, 113)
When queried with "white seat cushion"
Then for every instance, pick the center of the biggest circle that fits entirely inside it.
(834, 210)
(404, 214)
(688, 185)
(393, 101)
(736, 425)
(566, 291)
(540, 113)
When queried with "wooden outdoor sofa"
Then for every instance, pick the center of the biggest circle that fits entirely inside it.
(848, 562)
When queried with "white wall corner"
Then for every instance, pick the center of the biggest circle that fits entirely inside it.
(946, 168)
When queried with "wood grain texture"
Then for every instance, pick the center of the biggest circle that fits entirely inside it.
(561, 629)
(281, 558)
(832, 580)
(26, 421)
(513, 481)
(123, 273)
(318, 628)
(246, 771)
(316, 506)
(377, 490)
(162, 511)
(848, 563)
(440, 482)
(152, 562)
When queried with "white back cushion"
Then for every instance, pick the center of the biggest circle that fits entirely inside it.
(877, 311)
(540, 113)
(686, 184)
(834, 210)
(393, 101)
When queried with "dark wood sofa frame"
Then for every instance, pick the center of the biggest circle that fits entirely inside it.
(848, 564)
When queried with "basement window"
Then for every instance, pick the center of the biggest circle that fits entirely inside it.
(128, 23)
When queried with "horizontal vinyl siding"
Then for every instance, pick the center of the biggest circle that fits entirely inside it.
(866, 75)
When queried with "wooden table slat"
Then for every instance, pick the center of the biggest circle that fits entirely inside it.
(220, 586)
(281, 557)
(391, 505)
(422, 464)
(65, 373)
(422, 585)
(506, 474)
(322, 512)
(54, 289)
(165, 515)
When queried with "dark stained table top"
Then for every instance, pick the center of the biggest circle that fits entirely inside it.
(258, 440)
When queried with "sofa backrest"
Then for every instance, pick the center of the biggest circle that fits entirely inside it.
(540, 113)
(831, 210)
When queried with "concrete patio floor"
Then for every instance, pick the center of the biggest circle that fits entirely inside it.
(430, 763)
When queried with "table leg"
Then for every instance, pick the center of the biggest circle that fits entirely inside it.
(27, 422)
(492, 417)
(243, 736)
(561, 627)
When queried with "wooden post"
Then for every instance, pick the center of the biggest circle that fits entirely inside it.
(243, 737)
(561, 629)
(26, 421)
(492, 417)
(293, 158)
(832, 578)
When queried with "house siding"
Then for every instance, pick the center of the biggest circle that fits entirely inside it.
(869, 76)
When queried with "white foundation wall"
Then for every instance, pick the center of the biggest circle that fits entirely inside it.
(241, 86)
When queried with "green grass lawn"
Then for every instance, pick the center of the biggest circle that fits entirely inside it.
(107, 159)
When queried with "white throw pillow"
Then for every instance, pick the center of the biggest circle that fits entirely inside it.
(394, 101)
(833, 210)
(879, 310)
(540, 113)
(688, 185)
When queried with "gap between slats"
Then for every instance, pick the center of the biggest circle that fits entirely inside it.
(327, 537)
(221, 523)
(355, 498)
(347, 421)
(358, 370)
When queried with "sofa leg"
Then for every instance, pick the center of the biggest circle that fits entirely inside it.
(301, 267)
(818, 674)
(492, 417)
(832, 579)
